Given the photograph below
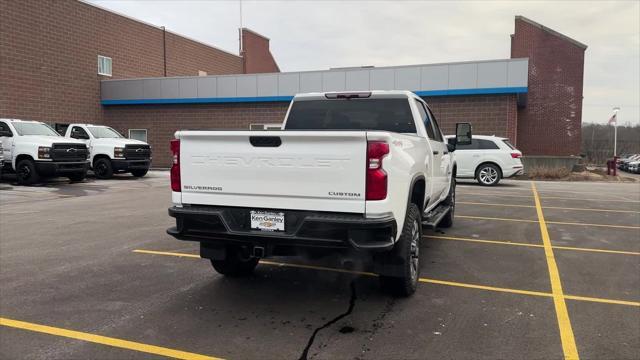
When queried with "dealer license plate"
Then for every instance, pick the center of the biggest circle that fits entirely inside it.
(267, 221)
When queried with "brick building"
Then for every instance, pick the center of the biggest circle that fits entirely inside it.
(161, 81)
(49, 52)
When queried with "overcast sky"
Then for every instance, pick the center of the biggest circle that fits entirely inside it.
(315, 35)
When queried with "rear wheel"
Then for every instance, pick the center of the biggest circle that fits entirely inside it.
(408, 246)
(447, 220)
(102, 168)
(488, 174)
(26, 173)
(139, 172)
(234, 265)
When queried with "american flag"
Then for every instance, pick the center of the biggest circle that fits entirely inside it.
(613, 120)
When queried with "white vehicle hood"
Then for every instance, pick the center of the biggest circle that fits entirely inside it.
(117, 142)
(48, 140)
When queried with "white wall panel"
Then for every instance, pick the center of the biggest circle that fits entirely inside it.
(496, 74)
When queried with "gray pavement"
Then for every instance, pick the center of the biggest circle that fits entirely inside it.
(70, 260)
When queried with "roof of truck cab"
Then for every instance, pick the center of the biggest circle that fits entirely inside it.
(19, 120)
(389, 94)
(484, 137)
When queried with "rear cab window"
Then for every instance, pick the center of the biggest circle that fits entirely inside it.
(382, 114)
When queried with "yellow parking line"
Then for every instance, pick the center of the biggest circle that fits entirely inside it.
(598, 225)
(601, 300)
(103, 340)
(313, 267)
(591, 209)
(494, 194)
(492, 204)
(425, 280)
(166, 253)
(547, 197)
(548, 207)
(564, 323)
(503, 242)
(494, 218)
(548, 222)
(483, 287)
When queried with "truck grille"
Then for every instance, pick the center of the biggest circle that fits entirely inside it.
(137, 152)
(69, 152)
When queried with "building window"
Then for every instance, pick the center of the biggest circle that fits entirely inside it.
(265, 126)
(138, 134)
(104, 65)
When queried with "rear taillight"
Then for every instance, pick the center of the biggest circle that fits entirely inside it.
(175, 167)
(516, 155)
(376, 177)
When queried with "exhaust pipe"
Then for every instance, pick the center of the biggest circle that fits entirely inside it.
(258, 252)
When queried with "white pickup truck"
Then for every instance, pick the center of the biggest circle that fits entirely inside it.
(111, 152)
(34, 150)
(354, 174)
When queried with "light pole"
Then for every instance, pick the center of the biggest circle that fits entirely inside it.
(615, 131)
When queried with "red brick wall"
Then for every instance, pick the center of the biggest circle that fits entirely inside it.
(551, 121)
(185, 57)
(490, 115)
(49, 49)
(256, 54)
(162, 121)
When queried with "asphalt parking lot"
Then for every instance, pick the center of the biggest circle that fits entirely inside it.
(543, 270)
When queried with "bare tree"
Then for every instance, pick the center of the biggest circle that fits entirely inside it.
(597, 142)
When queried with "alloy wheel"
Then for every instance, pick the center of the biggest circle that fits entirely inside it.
(488, 175)
(415, 250)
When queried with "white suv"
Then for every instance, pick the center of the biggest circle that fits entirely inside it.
(488, 159)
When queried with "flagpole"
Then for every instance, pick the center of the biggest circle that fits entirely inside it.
(615, 131)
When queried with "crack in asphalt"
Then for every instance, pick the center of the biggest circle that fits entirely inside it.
(352, 303)
(377, 324)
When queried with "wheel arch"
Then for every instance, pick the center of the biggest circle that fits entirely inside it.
(20, 158)
(417, 192)
(475, 172)
(97, 157)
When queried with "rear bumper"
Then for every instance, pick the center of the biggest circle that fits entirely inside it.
(56, 168)
(231, 225)
(126, 165)
(514, 171)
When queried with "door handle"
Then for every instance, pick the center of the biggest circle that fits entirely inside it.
(436, 152)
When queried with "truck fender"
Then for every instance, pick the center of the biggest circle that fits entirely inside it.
(418, 189)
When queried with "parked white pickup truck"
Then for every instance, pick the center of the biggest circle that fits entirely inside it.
(352, 173)
(33, 150)
(111, 152)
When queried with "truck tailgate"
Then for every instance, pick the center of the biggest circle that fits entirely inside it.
(308, 170)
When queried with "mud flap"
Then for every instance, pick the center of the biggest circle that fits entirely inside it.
(391, 263)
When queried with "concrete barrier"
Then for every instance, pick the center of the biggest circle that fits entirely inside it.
(550, 162)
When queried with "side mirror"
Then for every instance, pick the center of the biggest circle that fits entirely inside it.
(6, 133)
(463, 134)
(451, 147)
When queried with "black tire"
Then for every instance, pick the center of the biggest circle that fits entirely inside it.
(26, 172)
(102, 168)
(78, 177)
(139, 172)
(488, 175)
(447, 220)
(234, 265)
(408, 246)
